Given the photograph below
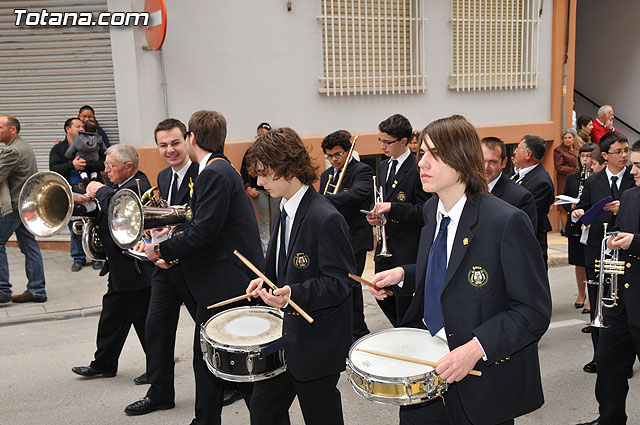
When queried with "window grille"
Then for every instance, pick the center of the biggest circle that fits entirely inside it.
(372, 47)
(495, 44)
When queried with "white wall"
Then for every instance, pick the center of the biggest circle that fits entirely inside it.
(254, 61)
(608, 59)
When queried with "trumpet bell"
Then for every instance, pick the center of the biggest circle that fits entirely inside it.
(46, 203)
(126, 218)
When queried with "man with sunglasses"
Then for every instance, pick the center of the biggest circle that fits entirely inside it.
(402, 206)
(354, 194)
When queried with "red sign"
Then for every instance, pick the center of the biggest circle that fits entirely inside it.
(157, 28)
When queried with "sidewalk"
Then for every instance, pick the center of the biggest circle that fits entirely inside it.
(80, 294)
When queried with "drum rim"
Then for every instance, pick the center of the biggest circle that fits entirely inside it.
(239, 348)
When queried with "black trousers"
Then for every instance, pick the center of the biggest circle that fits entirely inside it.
(120, 310)
(618, 346)
(209, 388)
(438, 412)
(168, 292)
(591, 254)
(319, 400)
(394, 307)
(359, 325)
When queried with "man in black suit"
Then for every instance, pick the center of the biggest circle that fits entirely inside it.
(354, 194)
(611, 181)
(128, 290)
(222, 221)
(487, 292)
(495, 159)
(402, 205)
(168, 289)
(309, 255)
(532, 176)
(619, 344)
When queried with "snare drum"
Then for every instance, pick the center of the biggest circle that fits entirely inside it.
(244, 344)
(390, 381)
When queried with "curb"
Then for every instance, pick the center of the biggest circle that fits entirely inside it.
(58, 315)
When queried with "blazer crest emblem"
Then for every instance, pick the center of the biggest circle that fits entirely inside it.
(477, 276)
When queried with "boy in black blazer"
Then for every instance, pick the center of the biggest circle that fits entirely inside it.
(309, 255)
(354, 194)
(480, 284)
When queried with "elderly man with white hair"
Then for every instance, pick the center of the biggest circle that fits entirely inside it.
(603, 123)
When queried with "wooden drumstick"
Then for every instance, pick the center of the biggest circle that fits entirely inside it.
(410, 359)
(370, 284)
(268, 282)
(230, 301)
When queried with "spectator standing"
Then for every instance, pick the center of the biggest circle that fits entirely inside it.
(17, 164)
(565, 160)
(87, 145)
(584, 126)
(603, 123)
(86, 113)
(70, 169)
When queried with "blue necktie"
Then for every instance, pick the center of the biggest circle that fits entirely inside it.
(174, 189)
(282, 253)
(392, 175)
(434, 280)
(614, 187)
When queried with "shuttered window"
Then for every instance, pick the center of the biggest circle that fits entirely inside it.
(495, 44)
(372, 47)
(48, 73)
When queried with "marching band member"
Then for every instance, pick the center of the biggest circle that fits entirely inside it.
(168, 288)
(619, 344)
(480, 284)
(403, 198)
(354, 194)
(222, 221)
(309, 255)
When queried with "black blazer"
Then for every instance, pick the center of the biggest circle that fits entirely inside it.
(319, 257)
(63, 166)
(164, 183)
(597, 187)
(629, 284)
(538, 182)
(356, 193)
(496, 289)
(223, 221)
(125, 273)
(405, 218)
(517, 196)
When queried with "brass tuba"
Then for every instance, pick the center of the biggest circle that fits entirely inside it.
(130, 216)
(46, 205)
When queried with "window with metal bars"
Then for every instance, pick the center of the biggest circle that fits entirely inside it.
(372, 47)
(495, 44)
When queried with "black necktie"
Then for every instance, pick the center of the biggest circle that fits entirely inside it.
(336, 176)
(614, 187)
(174, 189)
(434, 279)
(282, 253)
(392, 175)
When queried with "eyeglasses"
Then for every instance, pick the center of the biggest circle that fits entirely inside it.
(338, 155)
(387, 142)
(619, 152)
(110, 166)
(585, 155)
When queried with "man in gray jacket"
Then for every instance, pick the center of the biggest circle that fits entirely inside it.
(17, 164)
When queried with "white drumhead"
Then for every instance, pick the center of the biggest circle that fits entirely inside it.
(245, 326)
(409, 342)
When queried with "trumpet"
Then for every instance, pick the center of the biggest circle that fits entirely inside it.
(336, 187)
(381, 232)
(130, 215)
(608, 265)
(46, 205)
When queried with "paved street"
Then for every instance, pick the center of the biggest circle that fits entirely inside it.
(38, 387)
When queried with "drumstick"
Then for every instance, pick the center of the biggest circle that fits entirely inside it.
(230, 301)
(268, 282)
(410, 359)
(366, 282)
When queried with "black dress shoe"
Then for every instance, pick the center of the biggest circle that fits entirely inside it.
(141, 380)
(77, 266)
(147, 405)
(590, 368)
(89, 372)
(586, 330)
(96, 265)
(586, 311)
(230, 397)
